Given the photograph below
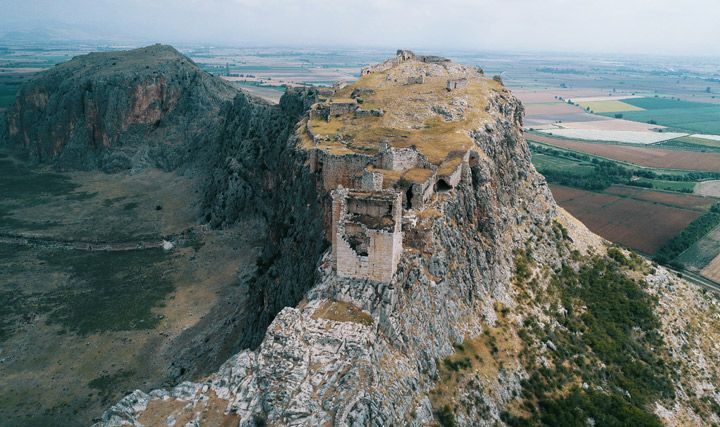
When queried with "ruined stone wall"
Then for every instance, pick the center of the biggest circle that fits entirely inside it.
(345, 169)
(384, 246)
(398, 159)
(453, 84)
(453, 179)
(422, 193)
(371, 181)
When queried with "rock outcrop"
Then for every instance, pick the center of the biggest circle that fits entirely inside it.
(361, 352)
(415, 270)
(118, 110)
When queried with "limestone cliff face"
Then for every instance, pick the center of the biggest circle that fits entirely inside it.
(117, 110)
(360, 352)
(256, 172)
(486, 296)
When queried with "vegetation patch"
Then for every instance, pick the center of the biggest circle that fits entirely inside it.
(474, 360)
(19, 182)
(606, 365)
(107, 385)
(586, 172)
(694, 232)
(107, 291)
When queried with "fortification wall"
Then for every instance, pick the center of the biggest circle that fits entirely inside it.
(398, 159)
(345, 170)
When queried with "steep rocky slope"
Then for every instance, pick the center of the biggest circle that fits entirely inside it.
(117, 110)
(231, 169)
(414, 269)
(501, 308)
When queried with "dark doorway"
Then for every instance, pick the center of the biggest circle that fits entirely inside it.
(442, 186)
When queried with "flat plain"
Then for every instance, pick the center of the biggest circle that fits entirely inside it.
(623, 136)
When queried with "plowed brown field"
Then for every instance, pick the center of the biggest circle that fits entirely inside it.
(643, 156)
(638, 224)
(675, 199)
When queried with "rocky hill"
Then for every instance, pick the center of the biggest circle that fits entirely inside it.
(117, 110)
(450, 288)
(414, 270)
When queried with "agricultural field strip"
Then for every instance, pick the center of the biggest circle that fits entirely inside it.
(609, 106)
(629, 137)
(636, 193)
(604, 98)
(624, 220)
(712, 270)
(608, 123)
(703, 136)
(636, 155)
(708, 188)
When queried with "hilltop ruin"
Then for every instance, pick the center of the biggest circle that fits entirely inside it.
(402, 142)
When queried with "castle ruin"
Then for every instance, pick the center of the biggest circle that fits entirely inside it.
(367, 235)
(378, 190)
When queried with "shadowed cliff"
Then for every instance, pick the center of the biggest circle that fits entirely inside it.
(118, 110)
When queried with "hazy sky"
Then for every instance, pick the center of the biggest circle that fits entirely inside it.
(623, 26)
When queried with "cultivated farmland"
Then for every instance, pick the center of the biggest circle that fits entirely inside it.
(630, 137)
(692, 116)
(712, 270)
(702, 253)
(708, 188)
(642, 156)
(638, 224)
(609, 106)
(678, 200)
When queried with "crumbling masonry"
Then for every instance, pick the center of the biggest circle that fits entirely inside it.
(367, 233)
(377, 195)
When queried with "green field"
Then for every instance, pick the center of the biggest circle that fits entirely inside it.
(679, 186)
(681, 115)
(688, 143)
(545, 162)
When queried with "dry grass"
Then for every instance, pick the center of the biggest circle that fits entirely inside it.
(390, 177)
(408, 119)
(450, 165)
(480, 357)
(430, 213)
(341, 311)
(322, 127)
(418, 175)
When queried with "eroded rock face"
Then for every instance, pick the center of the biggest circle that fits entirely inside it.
(118, 110)
(376, 363)
(358, 352)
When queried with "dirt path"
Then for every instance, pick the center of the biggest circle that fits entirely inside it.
(28, 240)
